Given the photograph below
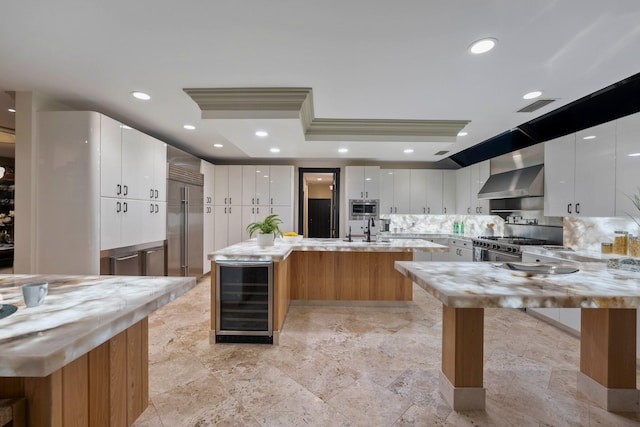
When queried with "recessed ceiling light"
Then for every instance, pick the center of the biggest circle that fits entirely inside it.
(319, 179)
(275, 150)
(462, 133)
(590, 137)
(483, 45)
(408, 151)
(126, 127)
(634, 155)
(189, 127)
(343, 150)
(12, 110)
(261, 133)
(141, 95)
(218, 145)
(367, 179)
(531, 95)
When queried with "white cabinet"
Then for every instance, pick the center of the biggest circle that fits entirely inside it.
(285, 213)
(255, 185)
(627, 164)
(460, 250)
(228, 225)
(448, 192)
(395, 191)
(362, 182)
(208, 225)
(434, 192)
(418, 189)
(228, 185)
(580, 173)
(281, 186)
(110, 151)
(463, 191)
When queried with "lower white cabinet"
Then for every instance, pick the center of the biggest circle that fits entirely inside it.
(228, 226)
(125, 222)
(286, 215)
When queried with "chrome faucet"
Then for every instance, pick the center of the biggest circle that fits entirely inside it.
(370, 223)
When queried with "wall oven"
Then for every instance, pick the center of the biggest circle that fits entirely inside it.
(363, 209)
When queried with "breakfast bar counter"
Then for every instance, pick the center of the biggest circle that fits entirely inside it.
(81, 358)
(608, 300)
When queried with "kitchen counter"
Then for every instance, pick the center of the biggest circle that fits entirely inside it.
(570, 255)
(89, 330)
(608, 300)
(249, 250)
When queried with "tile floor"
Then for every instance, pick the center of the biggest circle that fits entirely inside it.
(358, 366)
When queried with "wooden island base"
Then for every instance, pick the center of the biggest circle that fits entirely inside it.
(109, 386)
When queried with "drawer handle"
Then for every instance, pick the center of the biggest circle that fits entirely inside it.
(569, 208)
(577, 208)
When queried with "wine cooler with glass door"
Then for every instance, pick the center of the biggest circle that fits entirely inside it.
(244, 302)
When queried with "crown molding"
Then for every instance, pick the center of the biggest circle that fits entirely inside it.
(297, 102)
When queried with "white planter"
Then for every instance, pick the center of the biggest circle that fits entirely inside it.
(266, 239)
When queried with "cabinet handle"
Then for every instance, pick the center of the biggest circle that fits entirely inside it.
(151, 193)
(428, 210)
(225, 209)
(257, 201)
(118, 207)
(577, 208)
(229, 202)
(445, 210)
(366, 194)
(271, 210)
(150, 207)
(391, 209)
(253, 201)
(395, 210)
(126, 190)
(125, 207)
(361, 195)
(469, 210)
(158, 208)
(157, 193)
(253, 210)
(424, 210)
(229, 208)
(119, 191)
(225, 200)
(272, 201)
(569, 208)
(258, 210)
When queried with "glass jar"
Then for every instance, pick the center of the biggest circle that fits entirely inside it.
(634, 247)
(606, 248)
(621, 242)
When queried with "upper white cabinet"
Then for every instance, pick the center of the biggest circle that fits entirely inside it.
(418, 187)
(580, 173)
(434, 192)
(362, 182)
(281, 186)
(255, 185)
(448, 192)
(228, 185)
(469, 181)
(395, 191)
(627, 164)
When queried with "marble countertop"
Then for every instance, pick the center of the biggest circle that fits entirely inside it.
(249, 250)
(484, 284)
(78, 314)
(571, 255)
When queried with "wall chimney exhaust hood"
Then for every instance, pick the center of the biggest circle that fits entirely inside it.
(525, 182)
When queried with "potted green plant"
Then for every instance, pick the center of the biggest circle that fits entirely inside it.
(267, 230)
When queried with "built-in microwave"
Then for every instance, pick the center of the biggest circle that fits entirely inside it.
(363, 209)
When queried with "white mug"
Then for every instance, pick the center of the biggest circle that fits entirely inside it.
(34, 293)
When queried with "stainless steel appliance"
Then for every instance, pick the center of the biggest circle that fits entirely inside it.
(363, 209)
(244, 302)
(145, 259)
(184, 222)
(501, 249)
(125, 264)
(153, 261)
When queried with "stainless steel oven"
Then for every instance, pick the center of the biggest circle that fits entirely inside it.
(501, 249)
(363, 209)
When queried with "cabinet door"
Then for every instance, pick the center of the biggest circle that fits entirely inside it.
(387, 203)
(463, 191)
(248, 216)
(221, 187)
(402, 191)
(249, 185)
(419, 192)
(236, 232)
(110, 157)
(559, 173)
(434, 192)
(135, 222)
(594, 192)
(235, 185)
(481, 172)
(159, 222)
(208, 242)
(137, 167)
(355, 182)
(110, 218)
(281, 186)
(208, 171)
(448, 192)
(221, 226)
(627, 165)
(371, 185)
(263, 182)
(286, 215)
(160, 170)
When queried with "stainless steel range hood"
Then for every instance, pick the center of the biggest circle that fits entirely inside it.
(525, 182)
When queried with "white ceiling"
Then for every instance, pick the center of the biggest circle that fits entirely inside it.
(364, 59)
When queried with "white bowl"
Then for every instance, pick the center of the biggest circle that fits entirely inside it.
(292, 239)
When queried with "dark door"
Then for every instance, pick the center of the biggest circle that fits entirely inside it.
(319, 218)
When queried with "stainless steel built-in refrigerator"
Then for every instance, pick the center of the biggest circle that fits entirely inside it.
(184, 226)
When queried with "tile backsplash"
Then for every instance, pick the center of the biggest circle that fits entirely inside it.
(587, 234)
(474, 225)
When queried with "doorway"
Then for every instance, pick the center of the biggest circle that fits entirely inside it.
(318, 202)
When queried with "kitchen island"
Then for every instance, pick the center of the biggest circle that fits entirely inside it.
(81, 358)
(328, 270)
(608, 300)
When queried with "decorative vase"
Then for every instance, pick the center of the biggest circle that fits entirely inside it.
(266, 239)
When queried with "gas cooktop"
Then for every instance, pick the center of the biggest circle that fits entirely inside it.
(509, 244)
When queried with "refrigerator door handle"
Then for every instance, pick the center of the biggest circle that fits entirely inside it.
(185, 230)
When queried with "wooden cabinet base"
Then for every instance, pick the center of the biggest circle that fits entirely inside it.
(349, 276)
(109, 386)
